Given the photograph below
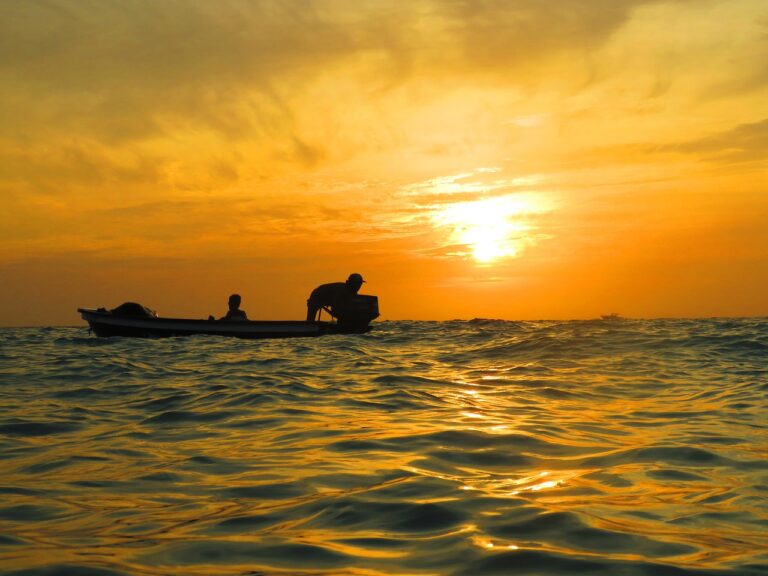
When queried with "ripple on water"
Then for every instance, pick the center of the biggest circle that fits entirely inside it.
(19, 427)
(66, 570)
(547, 563)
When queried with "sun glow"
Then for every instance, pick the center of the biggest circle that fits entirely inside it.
(492, 228)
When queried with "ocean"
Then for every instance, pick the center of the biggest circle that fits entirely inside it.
(462, 448)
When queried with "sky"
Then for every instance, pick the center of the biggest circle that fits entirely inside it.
(516, 159)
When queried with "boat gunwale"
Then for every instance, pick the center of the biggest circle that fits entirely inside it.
(109, 317)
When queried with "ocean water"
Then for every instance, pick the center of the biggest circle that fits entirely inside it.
(458, 448)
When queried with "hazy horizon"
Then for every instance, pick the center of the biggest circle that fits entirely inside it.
(84, 324)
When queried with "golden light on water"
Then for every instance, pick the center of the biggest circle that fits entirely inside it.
(488, 544)
(491, 229)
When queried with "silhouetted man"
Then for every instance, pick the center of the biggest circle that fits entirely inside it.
(234, 312)
(334, 295)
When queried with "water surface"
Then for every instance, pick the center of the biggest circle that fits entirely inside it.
(457, 448)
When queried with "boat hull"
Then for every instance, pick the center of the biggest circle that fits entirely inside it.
(104, 323)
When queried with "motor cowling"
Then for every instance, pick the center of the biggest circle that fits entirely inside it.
(357, 313)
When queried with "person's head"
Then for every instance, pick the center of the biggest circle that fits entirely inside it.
(234, 302)
(354, 282)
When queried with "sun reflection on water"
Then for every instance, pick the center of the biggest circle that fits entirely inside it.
(489, 544)
(514, 487)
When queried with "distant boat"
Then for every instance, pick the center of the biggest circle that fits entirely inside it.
(135, 320)
(612, 316)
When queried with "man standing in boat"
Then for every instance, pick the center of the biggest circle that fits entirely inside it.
(335, 295)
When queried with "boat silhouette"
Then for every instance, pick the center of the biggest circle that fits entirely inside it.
(134, 320)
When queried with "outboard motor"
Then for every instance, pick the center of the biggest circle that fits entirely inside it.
(359, 311)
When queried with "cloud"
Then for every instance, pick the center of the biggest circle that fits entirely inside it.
(261, 85)
(744, 143)
(43, 168)
(207, 112)
(467, 186)
(138, 63)
(132, 70)
(512, 33)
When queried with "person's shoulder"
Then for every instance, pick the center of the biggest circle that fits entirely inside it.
(330, 286)
(235, 315)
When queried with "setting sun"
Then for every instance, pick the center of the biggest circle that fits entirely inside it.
(492, 228)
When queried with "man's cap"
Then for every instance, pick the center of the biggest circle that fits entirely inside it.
(355, 277)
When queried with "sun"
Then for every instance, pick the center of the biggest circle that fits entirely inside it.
(490, 229)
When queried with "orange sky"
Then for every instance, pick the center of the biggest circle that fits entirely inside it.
(499, 158)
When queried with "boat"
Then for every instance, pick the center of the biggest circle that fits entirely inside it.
(133, 319)
(612, 317)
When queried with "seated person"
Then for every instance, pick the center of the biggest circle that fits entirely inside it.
(234, 312)
(335, 295)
